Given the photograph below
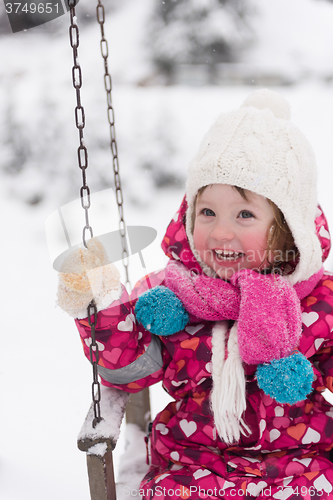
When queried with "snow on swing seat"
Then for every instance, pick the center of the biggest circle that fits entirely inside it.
(113, 405)
(99, 442)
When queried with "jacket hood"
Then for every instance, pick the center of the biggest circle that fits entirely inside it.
(176, 246)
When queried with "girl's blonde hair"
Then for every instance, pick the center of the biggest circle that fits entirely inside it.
(280, 241)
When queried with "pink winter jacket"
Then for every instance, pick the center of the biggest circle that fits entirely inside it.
(285, 440)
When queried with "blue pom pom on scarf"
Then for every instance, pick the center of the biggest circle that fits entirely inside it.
(161, 312)
(287, 380)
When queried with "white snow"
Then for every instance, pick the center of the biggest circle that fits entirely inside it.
(98, 449)
(112, 407)
(45, 381)
(295, 37)
(133, 466)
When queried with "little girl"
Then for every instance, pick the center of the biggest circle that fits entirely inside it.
(246, 250)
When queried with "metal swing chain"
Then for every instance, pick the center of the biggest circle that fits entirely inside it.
(82, 151)
(100, 13)
(85, 200)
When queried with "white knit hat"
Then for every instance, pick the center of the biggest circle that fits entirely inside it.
(257, 148)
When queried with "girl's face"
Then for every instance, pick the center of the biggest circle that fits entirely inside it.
(230, 233)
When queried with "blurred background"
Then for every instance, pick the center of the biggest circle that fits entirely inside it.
(175, 65)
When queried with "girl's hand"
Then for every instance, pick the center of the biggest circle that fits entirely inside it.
(86, 274)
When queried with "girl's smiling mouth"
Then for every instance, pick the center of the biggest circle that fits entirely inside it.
(227, 255)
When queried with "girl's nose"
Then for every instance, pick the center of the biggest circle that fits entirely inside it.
(222, 232)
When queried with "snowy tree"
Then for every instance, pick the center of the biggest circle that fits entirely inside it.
(199, 31)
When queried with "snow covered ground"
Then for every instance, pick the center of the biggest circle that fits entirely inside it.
(45, 380)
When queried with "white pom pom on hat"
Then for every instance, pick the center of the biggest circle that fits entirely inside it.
(258, 148)
(267, 99)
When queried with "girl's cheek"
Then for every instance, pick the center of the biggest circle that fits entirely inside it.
(256, 245)
(196, 237)
(200, 241)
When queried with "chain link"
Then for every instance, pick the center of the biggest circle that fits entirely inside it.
(100, 14)
(80, 120)
(74, 37)
(94, 358)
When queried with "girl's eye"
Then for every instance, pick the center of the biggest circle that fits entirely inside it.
(245, 214)
(208, 212)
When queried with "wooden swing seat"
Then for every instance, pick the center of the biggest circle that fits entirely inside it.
(99, 443)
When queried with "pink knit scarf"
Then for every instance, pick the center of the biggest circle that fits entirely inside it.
(266, 307)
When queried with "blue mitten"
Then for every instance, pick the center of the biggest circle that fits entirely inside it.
(161, 312)
(287, 380)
